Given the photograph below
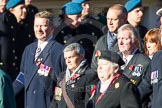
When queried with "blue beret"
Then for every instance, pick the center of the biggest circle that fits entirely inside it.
(110, 56)
(79, 1)
(132, 4)
(13, 3)
(72, 8)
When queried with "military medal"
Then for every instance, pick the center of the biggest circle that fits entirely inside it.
(154, 77)
(44, 70)
(58, 93)
(117, 85)
(137, 70)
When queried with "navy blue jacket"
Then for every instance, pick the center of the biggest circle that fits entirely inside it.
(39, 88)
(152, 82)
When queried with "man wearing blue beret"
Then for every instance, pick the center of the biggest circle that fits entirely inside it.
(85, 5)
(135, 15)
(22, 38)
(8, 26)
(73, 30)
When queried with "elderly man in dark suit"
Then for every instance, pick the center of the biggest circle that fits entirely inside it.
(136, 63)
(41, 63)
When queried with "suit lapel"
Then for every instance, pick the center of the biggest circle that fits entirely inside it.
(127, 71)
(44, 54)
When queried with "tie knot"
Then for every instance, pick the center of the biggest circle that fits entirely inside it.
(38, 50)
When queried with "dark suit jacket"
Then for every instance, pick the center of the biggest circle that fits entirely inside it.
(137, 67)
(152, 82)
(39, 88)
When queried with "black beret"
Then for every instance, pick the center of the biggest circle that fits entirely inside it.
(110, 56)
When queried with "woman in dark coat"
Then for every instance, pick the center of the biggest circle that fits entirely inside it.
(113, 90)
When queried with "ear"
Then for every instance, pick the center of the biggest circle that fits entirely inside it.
(11, 10)
(82, 56)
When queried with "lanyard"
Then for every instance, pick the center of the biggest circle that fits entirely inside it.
(112, 82)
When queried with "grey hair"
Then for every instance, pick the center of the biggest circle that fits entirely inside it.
(133, 31)
(113, 65)
(76, 47)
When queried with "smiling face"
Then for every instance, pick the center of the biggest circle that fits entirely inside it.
(19, 11)
(42, 28)
(72, 60)
(151, 47)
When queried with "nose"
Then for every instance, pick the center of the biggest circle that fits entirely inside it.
(110, 21)
(148, 45)
(120, 42)
(87, 6)
(141, 13)
(99, 67)
(79, 19)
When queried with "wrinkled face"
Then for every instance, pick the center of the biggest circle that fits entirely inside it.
(125, 43)
(86, 8)
(113, 20)
(73, 20)
(104, 70)
(42, 28)
(72, 60)
(151, 47)
(19, 11)
(136, 15)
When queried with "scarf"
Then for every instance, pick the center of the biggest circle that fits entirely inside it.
(79, 70)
